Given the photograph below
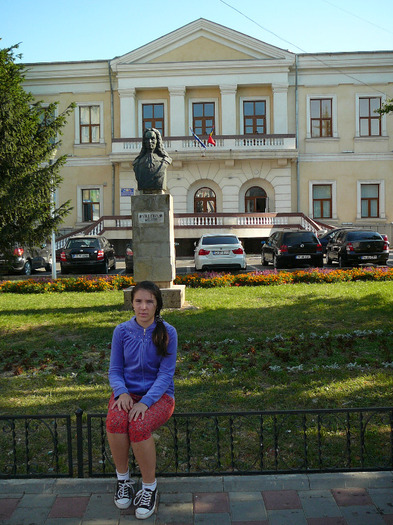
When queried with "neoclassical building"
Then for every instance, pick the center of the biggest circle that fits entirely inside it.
(298, 142)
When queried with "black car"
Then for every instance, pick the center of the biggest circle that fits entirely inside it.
(326, 237)
(286, 249)
(354, 247)
(25, 260)
(129, 258)
(87, 253)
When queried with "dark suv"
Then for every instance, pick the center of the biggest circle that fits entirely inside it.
(292, 249)
(353, 247)
(25, 260)
(87, 253)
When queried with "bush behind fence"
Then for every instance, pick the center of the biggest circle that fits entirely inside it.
(194, 444)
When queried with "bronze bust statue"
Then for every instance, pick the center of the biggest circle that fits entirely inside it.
(151, 163)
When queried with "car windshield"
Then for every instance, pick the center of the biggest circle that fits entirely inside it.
(361, 236)
(299, 237)
(220, 239)
(83, 243)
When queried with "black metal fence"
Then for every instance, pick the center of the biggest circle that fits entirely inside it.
(195, 444)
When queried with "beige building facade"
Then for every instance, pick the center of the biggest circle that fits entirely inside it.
(298, 142)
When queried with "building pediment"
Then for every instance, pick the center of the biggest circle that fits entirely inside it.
(202, 41)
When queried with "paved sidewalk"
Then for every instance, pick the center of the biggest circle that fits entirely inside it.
(296, 499)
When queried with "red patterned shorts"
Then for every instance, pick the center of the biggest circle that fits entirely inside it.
(117, 420)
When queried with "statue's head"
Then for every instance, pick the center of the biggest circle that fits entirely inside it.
(150, 140)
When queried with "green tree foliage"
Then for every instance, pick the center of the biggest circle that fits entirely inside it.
(387, 107)
(29, 135)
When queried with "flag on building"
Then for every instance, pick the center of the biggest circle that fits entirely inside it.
(210, 140)
(197, 138)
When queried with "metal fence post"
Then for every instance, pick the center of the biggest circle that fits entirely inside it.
(79, 442)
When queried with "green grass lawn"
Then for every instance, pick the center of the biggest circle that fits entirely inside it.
(244, 348)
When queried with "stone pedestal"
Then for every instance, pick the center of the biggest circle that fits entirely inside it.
(153, 241)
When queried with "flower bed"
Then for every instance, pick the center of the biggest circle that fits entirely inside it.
(88, 283)
(273, 277)
(200, 280)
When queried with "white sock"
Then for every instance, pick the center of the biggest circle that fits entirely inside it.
(150, 486)
(123, 477)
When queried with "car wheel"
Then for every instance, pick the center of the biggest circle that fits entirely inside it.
(114, 264)
(105, 268)
(263, 260)
(341, 262)
(48, 267)
(27, 269)
(63, 271)
(276, 263)
(328, 259)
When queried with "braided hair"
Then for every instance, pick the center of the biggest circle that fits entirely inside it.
(160, 334)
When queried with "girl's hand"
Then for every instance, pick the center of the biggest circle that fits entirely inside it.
(124, 402)
(137, 410)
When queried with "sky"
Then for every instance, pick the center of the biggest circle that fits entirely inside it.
(74, 30)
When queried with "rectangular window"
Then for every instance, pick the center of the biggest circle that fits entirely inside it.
(153, 117)
(90, 205)
(369, 121)
(89, 124)
(321, 117)
(254, 117)
(322, 201)
(369, 200)
(202, 117)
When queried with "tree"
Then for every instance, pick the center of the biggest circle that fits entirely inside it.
(387, 107)
(29, 135)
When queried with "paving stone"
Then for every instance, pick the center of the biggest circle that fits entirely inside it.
(382, 499)
(362, 515)
(7, 507)
(281, 499)
(216, 502)
(269, 482)
(63, 521)
(326, 521)
(28, 516)
(319, 503)
(175, 513)
(286, 517)
(101, 506)
(352, 496)
(259, 522)
(182, 484)
(247, 506)
(37, 500)
(176, 497)
(209, 519)
(69, 507)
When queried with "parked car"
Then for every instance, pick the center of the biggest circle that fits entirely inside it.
(326, 237)
(87, 253)
(221, 250)
(292, 248)
(354, 247)
(25, 260)
(129, 258)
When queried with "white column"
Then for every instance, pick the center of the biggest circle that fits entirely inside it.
(127, 113)
(177, 115)
(228, 110)
(280, 110)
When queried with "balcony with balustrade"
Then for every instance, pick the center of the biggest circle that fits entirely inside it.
(237, 146)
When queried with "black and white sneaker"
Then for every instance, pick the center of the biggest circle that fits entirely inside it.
(145, 502)
(124, 493)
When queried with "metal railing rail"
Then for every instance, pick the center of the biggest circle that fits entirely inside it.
(206, 443)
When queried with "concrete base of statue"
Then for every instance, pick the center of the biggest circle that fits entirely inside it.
(173, 297)
(153, 241)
